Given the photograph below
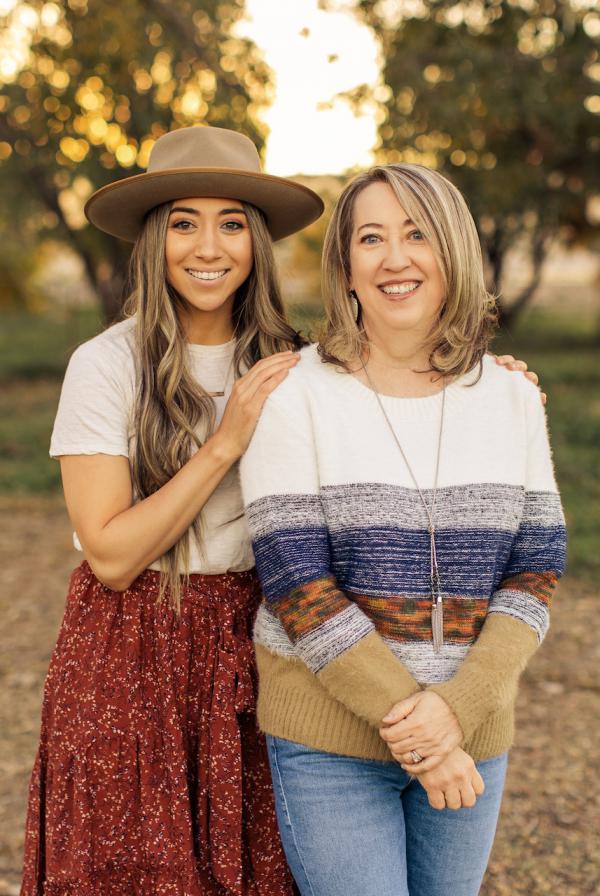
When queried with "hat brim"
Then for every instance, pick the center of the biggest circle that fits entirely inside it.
(120, 208)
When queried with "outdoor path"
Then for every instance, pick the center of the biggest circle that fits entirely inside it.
(548, 840)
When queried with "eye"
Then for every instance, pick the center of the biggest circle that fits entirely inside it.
(416, 235)
(182, 225)
(232, 226)
(370, 239)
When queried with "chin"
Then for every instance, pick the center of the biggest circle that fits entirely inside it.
(209, 304)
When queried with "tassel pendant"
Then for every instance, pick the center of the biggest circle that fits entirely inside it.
(437, 610)
(437, 625)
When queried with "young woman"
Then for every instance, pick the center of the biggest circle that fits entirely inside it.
(408, 535)
(151, 778)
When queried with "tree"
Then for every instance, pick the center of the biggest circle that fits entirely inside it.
(98, 84)
(502, 96)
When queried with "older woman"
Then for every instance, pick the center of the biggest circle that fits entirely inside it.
(408, 536)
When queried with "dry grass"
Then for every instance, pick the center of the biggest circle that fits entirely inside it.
(547, 841)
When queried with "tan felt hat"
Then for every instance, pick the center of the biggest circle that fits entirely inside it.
(199, 162)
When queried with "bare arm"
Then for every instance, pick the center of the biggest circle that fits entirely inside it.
(120, 539)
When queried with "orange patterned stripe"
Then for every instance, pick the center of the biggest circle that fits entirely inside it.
(539, 584)
(409, 619)
(307, 606)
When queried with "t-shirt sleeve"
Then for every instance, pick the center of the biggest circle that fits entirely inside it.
(93, 411)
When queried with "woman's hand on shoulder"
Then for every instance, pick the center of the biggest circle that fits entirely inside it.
(512, 364)
(454, 784)
(246, 402)
(423, 723)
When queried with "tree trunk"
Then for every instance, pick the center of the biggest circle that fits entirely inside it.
(496, 252)
(509, 314)
(108, 286)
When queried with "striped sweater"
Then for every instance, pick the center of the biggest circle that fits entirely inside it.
(342, 549)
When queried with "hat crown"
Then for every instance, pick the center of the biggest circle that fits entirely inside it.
(204, 147)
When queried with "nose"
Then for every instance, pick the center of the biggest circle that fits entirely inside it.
(207, 245)
(397, 257)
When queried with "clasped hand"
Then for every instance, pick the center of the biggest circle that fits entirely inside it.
(423, 723)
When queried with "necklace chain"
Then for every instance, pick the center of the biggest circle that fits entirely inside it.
(226, 381)
(437, 618)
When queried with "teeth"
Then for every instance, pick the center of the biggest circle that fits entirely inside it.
(398, 289)
(207, 275)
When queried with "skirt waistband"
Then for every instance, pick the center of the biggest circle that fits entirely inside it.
(237, 587)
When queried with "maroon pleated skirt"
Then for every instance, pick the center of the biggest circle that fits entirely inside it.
(151, 778)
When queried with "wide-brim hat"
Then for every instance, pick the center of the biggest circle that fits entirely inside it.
(200, 162)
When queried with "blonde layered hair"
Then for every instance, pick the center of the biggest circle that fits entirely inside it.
(171, 406)
(467, 318)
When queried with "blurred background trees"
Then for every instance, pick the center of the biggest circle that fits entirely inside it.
(88, 87)
(502, 96)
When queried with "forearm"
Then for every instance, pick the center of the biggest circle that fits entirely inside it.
(135, 537)
(487, 679)
(336, 640)
(368, 679)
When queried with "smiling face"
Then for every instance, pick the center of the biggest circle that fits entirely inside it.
(393, 269)
(208, 253)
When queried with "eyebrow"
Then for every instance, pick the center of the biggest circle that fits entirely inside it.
(194, 211)
(407, 223)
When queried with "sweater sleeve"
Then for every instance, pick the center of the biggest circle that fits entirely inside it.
(329, 632)
(518, 612)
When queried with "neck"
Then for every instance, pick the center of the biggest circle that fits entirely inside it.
(404, 351)
(207, 327)
(398, 365)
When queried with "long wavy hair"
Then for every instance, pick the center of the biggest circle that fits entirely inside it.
(174, 414)
(468, 316)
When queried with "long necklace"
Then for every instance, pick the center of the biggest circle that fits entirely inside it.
(437, 610)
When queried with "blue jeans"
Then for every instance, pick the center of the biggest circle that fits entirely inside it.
(360, 827)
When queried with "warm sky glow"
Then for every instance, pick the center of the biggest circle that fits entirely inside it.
(298, 41)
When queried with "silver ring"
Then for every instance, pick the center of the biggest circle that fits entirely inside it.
(416, 757)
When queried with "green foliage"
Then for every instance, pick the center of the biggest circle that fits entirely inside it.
(38, 346)
(501, 95)
(101, 85)
(27, 409)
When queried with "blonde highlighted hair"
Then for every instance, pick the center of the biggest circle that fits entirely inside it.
(172, 409)
(468, 316)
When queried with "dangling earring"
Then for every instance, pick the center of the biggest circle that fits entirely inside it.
(355, 306)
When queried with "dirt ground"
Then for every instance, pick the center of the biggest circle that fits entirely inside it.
(548, 840)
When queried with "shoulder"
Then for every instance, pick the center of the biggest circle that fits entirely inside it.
(294, 400)
(110, 353)
(116, 342)
(509, 385)
(103, 366)
(309, 377)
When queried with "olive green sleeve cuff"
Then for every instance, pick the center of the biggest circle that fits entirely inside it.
(368, 679)
(488, 678)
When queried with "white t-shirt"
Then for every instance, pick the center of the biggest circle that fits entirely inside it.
(95, 416)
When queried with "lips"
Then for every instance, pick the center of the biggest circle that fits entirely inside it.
(206, 276)
(400, 289)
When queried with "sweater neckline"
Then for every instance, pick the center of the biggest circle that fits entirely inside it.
(426, 407)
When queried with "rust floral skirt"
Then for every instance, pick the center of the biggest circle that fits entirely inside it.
(151, 777)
